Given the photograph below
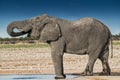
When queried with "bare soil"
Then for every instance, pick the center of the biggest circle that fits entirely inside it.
(38, 61)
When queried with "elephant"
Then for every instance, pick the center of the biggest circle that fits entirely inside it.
(86, 36)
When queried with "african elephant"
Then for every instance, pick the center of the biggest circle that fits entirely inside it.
(85, 36)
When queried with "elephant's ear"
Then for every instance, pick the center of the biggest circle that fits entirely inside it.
(51, 32)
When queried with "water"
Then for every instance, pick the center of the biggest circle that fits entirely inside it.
(31, 77)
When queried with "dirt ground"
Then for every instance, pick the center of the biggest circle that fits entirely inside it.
(38, 61)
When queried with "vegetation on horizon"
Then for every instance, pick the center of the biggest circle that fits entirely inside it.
(34, 45)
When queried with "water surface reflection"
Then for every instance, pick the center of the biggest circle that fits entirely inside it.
(31, 77)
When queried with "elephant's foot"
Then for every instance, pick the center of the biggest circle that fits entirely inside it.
(87, 73)
(105, 72)
(60, 77)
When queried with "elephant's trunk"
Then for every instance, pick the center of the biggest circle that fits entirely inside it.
(12, 26)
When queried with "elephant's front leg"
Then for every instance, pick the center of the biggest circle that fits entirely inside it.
(58, 65)
(57, 57)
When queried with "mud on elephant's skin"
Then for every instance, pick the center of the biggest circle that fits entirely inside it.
(84, 36)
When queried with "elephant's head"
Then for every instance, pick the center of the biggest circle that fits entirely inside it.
(48, 30)
(24, 27)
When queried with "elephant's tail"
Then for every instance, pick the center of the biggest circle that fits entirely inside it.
(111, 42)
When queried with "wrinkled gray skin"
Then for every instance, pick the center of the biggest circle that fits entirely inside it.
(85, 36)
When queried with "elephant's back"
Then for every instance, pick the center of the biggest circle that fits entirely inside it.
(83, 21)
(91, 24)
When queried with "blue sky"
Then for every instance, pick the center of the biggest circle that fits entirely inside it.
(107, 11)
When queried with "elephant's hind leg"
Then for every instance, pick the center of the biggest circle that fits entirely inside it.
(89, 68)
(105, 64)
(93, 55)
